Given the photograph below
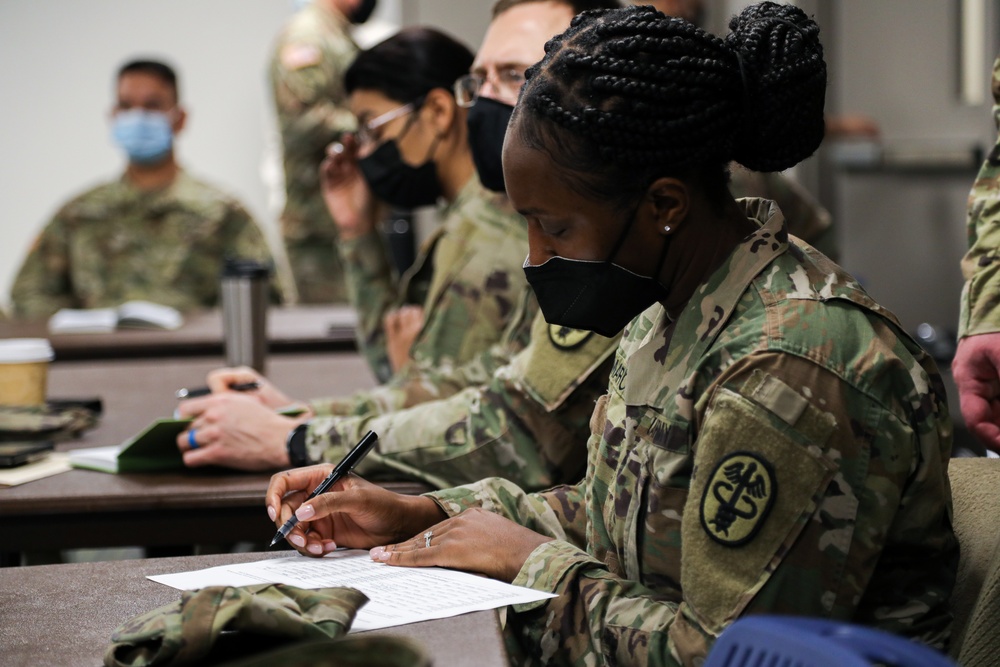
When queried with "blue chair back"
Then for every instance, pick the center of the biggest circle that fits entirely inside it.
(788, 641)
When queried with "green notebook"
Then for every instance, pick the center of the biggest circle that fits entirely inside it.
(154, 449)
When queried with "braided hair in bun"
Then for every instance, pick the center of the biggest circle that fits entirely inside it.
(628, 95)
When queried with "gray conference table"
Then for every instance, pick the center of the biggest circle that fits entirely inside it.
(63, 615)
(87, 509)
(306, 328)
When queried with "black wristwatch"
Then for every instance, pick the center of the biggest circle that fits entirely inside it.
(296, 445)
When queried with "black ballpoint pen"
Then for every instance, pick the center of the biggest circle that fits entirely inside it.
(205, 391)
(345, 466)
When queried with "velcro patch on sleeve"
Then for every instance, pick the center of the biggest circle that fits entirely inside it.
(297, 56)
(757, 481)
(558, 360)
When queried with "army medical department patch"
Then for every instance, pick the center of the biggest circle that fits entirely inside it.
(737, 498)
(565, 338)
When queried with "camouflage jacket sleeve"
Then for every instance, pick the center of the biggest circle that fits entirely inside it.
(421, 382)
(245, 239)
(42, 286)
(980, 309)
(558, 512)
(529, 424)
(372, 291)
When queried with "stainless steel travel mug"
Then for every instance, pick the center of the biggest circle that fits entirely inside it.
(244, 312)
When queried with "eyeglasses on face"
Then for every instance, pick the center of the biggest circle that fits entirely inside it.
(507, 83)
(367, 134)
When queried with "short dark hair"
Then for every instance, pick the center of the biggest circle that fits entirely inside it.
(159, 69)
(410, 64)
(576, 5)
(629, 95)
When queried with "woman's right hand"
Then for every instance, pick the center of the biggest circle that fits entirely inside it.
(402, 326)
(344, 190)
(354, 513)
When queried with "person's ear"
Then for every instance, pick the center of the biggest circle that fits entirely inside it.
(669, 201)
(440, 110)
(180, 119)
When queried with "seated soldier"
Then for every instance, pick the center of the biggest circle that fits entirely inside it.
(155, 234)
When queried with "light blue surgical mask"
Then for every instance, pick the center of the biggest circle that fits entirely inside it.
(145, 136)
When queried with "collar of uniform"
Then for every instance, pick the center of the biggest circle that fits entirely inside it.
(468, 193)
(706, 313)
(128, 189)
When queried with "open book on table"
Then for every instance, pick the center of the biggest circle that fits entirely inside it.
(131, 314)
(154, 449)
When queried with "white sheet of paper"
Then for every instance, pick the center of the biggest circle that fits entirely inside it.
(397, 595)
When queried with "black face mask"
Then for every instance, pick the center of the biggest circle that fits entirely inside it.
(597, 296)
(362, 12)
(487, 122)
(397, 183)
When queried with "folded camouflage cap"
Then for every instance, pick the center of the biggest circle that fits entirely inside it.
(246, 618)
(48, 422)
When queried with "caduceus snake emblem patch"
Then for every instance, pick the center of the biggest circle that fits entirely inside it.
(737, 498)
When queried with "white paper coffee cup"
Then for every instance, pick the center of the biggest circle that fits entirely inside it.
(24, 370)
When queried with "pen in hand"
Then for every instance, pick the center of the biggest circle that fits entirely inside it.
(345, 466)
(205, 391)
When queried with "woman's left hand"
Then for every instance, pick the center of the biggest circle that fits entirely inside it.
(234, 430)
(475, 541)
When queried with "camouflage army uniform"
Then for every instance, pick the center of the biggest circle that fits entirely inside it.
(116, 243)
(526, 421)
(781, 448)
(476, 284)
(981, 265)
(307, 69)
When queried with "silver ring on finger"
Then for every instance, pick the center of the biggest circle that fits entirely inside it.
(427, 537)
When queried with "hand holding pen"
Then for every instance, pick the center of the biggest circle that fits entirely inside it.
(345, 466)
(352, 513)
(242, 380)
(244, 429)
